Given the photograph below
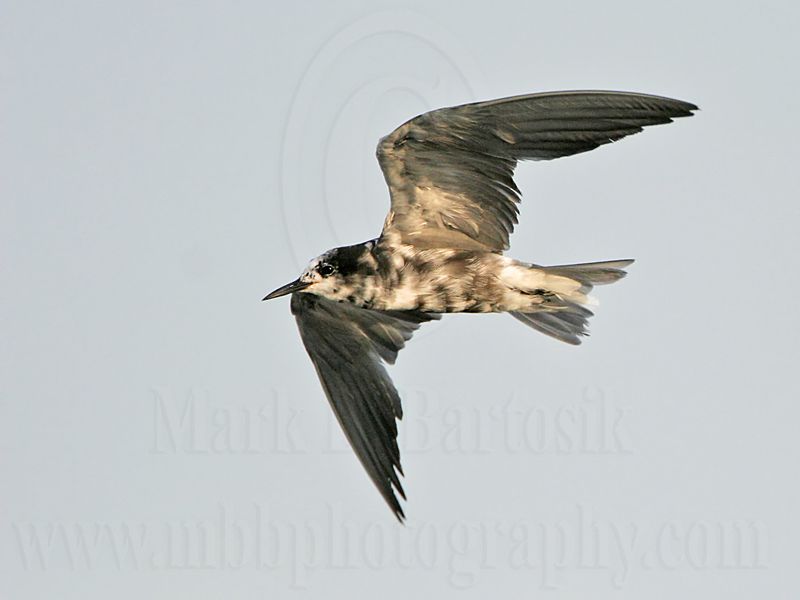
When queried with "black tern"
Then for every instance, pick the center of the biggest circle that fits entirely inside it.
(453, 207)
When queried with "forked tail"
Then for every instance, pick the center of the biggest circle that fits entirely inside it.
(566, 316)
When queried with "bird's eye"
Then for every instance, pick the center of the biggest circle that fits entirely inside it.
(325, 269)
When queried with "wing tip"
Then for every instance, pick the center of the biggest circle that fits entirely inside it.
(399, 515)
(394, 503)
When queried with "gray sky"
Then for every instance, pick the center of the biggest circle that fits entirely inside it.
(162, 432)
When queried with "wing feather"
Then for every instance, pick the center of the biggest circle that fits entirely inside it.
(349, 346)
(450, 171)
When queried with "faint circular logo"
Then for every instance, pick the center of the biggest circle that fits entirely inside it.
(368, 78)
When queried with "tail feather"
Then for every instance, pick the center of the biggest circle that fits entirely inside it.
(565, 318)
(594, 273)
(566, 325)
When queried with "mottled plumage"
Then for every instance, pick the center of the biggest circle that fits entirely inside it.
(454, 205)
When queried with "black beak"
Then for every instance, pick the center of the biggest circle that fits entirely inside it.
(295, 286)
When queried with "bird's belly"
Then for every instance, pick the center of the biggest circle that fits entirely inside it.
(452, 282)
(476, 283)
(433, 297)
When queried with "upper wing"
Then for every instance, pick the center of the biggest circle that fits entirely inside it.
(450, 171)
(348, 346)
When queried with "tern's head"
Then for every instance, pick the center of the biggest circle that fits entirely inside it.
(329, 274)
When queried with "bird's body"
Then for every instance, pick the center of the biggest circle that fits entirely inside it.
(382, 275)
(454, 205)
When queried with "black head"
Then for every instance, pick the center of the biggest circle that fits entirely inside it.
(343, 261)
(327, 274)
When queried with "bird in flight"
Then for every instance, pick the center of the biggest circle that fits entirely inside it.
(454, 204)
